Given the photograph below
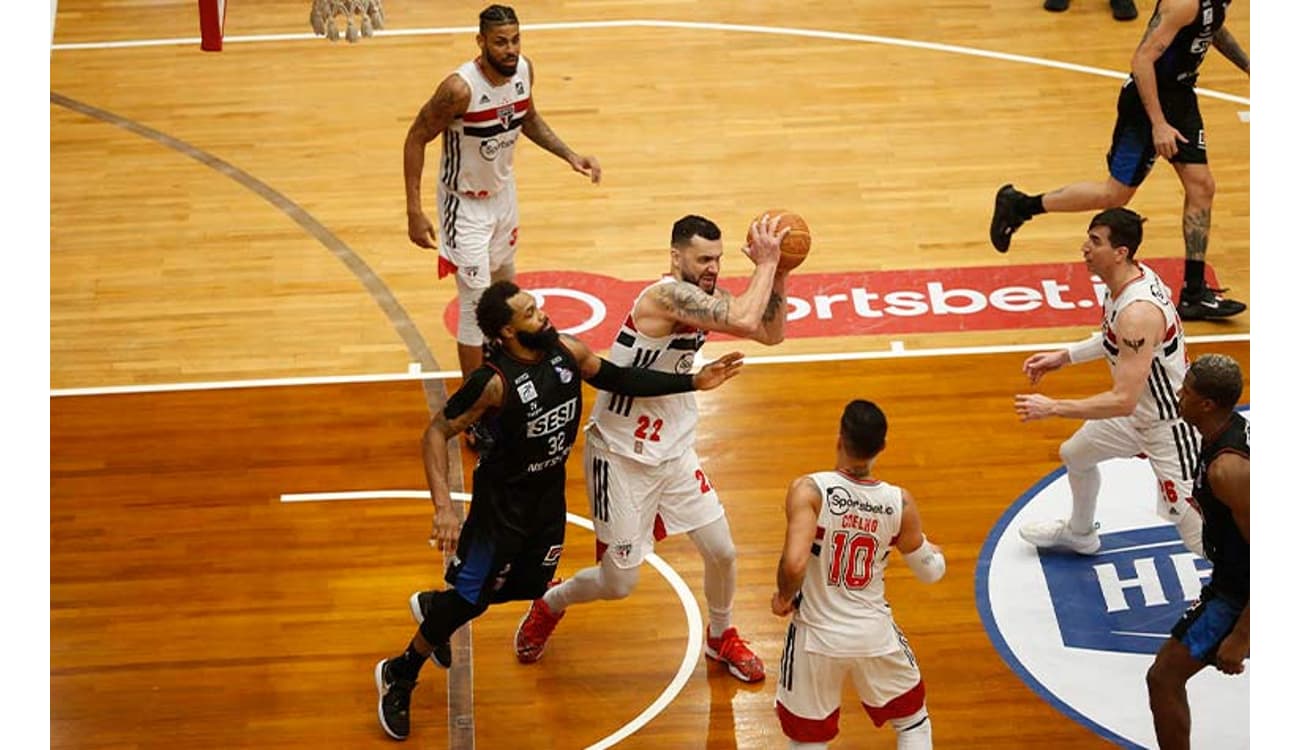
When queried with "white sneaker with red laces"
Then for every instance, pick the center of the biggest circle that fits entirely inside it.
(734, 652)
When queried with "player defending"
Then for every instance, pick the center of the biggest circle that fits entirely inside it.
(1142, 340)
(842, 523)
(529, 397)
(1216, 630)
(479, 110)
(644, 479)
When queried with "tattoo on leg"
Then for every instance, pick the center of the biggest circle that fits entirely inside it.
(1196, 232)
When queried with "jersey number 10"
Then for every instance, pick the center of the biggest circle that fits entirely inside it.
(851, 559)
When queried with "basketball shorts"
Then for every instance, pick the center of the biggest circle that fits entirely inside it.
(495, 564)
(811, 686)
(476, 236)
(1204, 626)
(1133, 152)
(1170, 446)
(631, 501)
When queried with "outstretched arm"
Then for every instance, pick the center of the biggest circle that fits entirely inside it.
(1226, 44)
(482, 390)
(1139, 329)
(537, 131)
(447, 103)
(802, 504)
(637, 381)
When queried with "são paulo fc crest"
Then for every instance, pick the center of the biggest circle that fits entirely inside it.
(1083, 630)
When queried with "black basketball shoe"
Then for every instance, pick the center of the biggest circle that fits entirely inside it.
(1006, 219)
(1123, 10)
(1207, 304)
(394, 702)
(420, 603)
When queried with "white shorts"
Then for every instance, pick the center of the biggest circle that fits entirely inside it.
(633, 504)
(811, 685)
(476, 236)
(1170, 446)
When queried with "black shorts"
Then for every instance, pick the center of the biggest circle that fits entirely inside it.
(1132, 152)
(496, 564)
(1204, 626)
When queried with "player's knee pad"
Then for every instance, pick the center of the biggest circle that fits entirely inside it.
(616, 582)
(449, 611)
(467, 330)
(913, 731)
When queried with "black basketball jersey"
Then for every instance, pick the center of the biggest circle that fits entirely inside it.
(522, 473)
(1224, 545)
(1181, 62)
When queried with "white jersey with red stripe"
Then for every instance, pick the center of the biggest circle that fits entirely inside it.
(842, 600)
(478, 147)
(1159, 400)
(657, 429)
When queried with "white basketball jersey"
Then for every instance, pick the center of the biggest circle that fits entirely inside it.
(478, 148)
(842, 600)
(1159, 401)
(650, 430)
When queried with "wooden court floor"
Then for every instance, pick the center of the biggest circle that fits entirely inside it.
(208, 213)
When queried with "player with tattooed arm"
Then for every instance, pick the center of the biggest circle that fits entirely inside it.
(1142, 340)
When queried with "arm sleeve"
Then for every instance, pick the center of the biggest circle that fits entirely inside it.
(1086, 351)
(469, 393)
(926, 562)
(635, 381)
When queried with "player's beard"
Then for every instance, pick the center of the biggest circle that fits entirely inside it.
(539, 341)
(500, 66)
(712, 282)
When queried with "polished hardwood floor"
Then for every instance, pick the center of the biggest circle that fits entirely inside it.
(189, 605)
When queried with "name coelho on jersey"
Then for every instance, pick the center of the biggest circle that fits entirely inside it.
(869, 303)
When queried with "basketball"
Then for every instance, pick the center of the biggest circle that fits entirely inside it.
(796, 244)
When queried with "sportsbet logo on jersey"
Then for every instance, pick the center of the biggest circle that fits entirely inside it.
(1083, 630)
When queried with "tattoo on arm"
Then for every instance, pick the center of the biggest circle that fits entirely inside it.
(1134, 345)
(775, 304)
(1196, 233)
(1225, 43)
(690, 302)
(537, 131)
(1152, 25)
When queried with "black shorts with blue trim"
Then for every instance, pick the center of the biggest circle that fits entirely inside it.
(497, 564)
(1203, 627)
(1132, 151)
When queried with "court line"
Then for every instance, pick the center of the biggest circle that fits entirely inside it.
(894, 352)
(694, 622)
(654, 23)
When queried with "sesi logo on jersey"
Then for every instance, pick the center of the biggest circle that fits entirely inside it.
(1083, 630)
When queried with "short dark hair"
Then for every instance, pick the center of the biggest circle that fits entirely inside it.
(1125, 228)
(691, 225)
(862, 429)
(1218, 378)
(496, 15)
(493, 311)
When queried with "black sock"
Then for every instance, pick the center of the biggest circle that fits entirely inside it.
(1193, 275)
(407, 666)
(1033, 206)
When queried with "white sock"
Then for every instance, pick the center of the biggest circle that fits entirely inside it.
(1085, 484)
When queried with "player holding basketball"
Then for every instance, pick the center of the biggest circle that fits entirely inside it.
(529, 394)
(839, 527)
(644, 479)
(479, 110)
(1142, 340)
(1216, 630)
